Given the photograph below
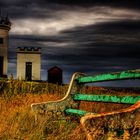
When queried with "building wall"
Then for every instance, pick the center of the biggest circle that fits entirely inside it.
(22, 58)
(4, 49)
(55, 75)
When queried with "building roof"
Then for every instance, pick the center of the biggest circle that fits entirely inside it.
(55, 67)
(4, 22)
(28, 50)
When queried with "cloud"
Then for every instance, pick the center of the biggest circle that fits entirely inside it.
(52, 22)
(49, 8)
(87, 36)
(114, 42)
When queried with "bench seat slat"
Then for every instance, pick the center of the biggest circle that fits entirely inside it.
(106, 98)
(76, 112)
(131, 74)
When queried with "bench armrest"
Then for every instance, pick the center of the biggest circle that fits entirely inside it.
(124, 119)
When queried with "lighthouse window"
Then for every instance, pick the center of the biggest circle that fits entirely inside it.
(1, 40)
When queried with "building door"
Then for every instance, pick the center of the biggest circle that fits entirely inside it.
(1, 66)
(28, 75)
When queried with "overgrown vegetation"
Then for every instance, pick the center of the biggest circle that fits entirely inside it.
(17, 120)
(14, 87)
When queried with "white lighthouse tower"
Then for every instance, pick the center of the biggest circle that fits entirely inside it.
(5, 25)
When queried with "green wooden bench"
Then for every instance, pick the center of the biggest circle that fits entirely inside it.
(70, 103)
(132, 74)
(119, 121)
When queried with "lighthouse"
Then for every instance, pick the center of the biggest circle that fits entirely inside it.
(5, 26)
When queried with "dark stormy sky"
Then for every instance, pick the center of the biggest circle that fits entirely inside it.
(90, 36)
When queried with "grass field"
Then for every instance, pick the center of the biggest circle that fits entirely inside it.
(17, 120)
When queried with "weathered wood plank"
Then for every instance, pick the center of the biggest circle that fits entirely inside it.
(76, 112)
(130, 74)
(107, 98)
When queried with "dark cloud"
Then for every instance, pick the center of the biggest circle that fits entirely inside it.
(115, 3)
(98, 48)
(109, 44)
(48, 8)
(110, 39)
(125, 3)
(36, 38)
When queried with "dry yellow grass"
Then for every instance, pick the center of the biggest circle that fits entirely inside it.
(13, 109)
(17, 120)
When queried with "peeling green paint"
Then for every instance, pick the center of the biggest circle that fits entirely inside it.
(76, 112)
(131, 74)
(106, 98)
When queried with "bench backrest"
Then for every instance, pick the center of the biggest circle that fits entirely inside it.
(71, 101)
(123, 75)
(130, 74)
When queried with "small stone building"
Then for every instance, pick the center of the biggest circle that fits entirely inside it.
(55, 75)
(5, 26)
(28, 63)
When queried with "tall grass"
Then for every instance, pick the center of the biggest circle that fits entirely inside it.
(14, 87)
(17, 120)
